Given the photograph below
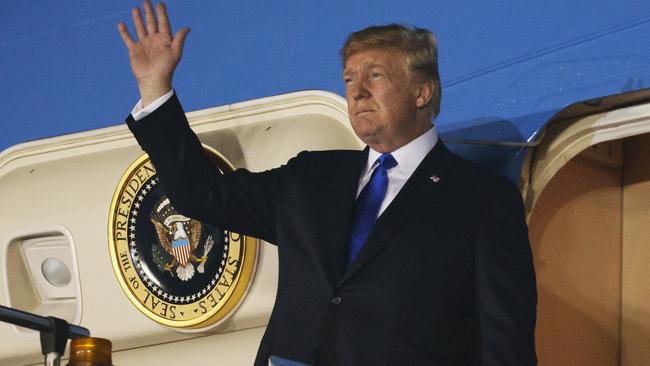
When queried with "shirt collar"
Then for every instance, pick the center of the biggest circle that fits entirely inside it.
(409, 156)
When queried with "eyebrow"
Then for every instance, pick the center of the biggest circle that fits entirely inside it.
(365, 66)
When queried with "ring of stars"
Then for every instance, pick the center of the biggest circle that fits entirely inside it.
(155, 289)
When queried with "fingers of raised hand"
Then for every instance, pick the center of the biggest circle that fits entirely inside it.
(149, 25)
(156, 32)
(139, 25)
(150, 19)
(163, 20)
(179, 40)
(124, 33)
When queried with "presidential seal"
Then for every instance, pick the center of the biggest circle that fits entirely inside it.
(178, 271)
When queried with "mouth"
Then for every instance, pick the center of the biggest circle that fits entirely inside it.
(364, 111)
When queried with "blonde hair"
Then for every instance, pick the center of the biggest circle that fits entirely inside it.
(419, 46)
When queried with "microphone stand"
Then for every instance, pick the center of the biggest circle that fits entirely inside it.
(54, 332)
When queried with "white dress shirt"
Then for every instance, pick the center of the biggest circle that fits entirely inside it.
(139, 113)
(408, 157)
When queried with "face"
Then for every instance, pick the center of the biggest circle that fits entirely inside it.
(384, 104)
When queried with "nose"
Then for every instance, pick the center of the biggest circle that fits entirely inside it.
(358, 90)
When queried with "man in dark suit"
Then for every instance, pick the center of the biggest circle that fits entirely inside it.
(400, 254)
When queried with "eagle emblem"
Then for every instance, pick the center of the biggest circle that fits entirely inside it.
(179, 236)
(178, 271)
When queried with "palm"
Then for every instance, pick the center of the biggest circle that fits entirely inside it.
(156, 53)
(153, 57)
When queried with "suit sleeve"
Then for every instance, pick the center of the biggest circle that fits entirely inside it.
(506, 289)
(240, 201)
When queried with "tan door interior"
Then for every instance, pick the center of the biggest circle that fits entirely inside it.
(590, 233)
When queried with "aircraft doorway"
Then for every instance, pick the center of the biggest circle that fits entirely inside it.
(590, 234)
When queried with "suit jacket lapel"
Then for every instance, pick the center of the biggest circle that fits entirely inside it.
(416, 195)
(336, 230)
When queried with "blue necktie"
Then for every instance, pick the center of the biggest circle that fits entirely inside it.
(368, 203)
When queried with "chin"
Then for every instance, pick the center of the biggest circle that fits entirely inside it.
(363, 133)
(364, 130)
(369, 140)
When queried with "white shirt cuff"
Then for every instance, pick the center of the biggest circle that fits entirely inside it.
(139, 113)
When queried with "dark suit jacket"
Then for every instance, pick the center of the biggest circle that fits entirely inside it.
(445, 277)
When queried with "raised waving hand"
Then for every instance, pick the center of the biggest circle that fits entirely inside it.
(156, 53)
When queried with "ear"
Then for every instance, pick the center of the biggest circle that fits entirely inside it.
(424, 93)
